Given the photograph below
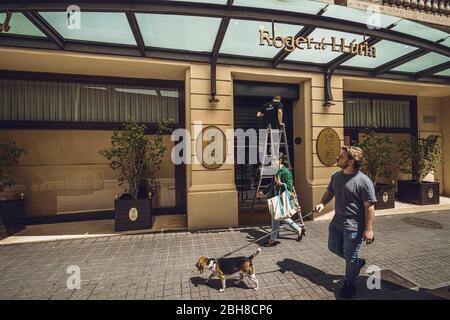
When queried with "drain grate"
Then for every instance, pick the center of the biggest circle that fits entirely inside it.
(423, 223)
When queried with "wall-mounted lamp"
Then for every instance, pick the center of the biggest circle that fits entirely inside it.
(327, 105)
(213, 101)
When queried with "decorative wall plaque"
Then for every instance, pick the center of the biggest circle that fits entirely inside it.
(212, 147)
(133, 214)
(385, 196)
(328, 146)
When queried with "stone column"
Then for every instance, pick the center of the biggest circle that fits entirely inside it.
(211, 193)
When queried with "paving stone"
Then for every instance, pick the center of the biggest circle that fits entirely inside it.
(161, 266)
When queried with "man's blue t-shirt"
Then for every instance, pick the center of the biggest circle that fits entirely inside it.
(350, 192)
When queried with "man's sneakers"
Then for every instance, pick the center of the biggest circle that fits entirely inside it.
(347, 290)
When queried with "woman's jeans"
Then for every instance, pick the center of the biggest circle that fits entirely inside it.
(346, 244)
(276, 225)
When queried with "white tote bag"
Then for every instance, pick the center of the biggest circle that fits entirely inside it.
(281, 207)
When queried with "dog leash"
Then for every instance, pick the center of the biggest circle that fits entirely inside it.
(266, 235)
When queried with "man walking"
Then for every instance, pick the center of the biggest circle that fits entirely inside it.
(354, 214)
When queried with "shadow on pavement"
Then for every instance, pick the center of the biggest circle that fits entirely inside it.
(215, 283)
(253, 234)
(389, 289)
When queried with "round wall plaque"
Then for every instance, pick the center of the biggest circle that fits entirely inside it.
(133, 214)
(430, 193)
(385, 196)
(212, 147)
(328, 146)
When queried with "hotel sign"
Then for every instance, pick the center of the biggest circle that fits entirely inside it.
(328, 146)
(290, 43)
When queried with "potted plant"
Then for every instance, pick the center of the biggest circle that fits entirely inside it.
(419, 157)
(378, 159)
(12, 212)
(137, 157)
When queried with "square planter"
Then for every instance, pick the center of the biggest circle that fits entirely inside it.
(385, 194)
(133, 214)
(12, 217)
(418, 193)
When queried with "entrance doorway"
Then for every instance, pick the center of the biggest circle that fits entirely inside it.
(249, 97)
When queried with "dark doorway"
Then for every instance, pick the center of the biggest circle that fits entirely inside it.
(248, 100)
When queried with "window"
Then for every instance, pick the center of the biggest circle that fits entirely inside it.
(395, 115)
(377, 113)
(86, 102)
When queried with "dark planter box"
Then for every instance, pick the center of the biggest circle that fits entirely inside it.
(385, 196)
(133, 214)
(418, 193)
(12, 217)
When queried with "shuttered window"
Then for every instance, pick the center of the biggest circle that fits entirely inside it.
(34, 100)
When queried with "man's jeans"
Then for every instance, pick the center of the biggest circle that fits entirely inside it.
(346, 244)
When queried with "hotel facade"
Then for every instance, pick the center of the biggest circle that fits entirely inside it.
(65, 87)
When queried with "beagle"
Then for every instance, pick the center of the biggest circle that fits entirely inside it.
(227, 266)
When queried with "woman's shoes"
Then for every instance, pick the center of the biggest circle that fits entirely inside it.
(300, 236)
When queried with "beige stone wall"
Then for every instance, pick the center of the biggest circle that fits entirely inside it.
(62, 171)
(445, 119)
(321, 118)
(212, 196)
(429, 121)
(62, 167)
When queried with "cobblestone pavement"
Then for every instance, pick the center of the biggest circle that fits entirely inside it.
(161, 266)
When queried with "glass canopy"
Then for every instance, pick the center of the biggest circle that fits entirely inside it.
(323, 56)
(241, 35)
(186, 29)
(107, 27)
(364, 17)
(303, 6)
(445, 73)
(423, 31)
(385, 51)
(21, 25)
(424, 62)
(178, 32)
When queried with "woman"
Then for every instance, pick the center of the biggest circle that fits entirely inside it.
(283, 177)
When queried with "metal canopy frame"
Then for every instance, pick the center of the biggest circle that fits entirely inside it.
(226, 12)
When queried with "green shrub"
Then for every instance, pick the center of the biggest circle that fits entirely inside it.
(419, 156)
(378, 158)
(9, 157)
(136, 155)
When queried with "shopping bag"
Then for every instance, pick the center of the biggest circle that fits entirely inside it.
(281, 206)
(288, 204)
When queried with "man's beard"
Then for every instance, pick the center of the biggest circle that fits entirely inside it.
(344, 165)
